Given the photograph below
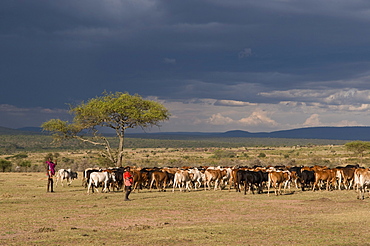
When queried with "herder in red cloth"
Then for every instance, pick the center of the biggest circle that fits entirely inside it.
(127, 178)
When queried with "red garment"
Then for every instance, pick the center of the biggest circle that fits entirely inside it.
(51, 167)
(128, 178)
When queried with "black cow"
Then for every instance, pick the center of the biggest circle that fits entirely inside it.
(297, 170)
(249, 179)
(118, 171)
(307, 178)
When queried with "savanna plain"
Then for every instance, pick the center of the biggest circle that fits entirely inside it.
(69, 216)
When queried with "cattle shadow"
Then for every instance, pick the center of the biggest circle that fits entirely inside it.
(282, 194)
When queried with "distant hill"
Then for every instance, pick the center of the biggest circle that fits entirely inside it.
(30, 129)
(10, 131)
(336, 133)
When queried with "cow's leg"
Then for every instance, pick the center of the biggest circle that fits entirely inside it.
(95, 185)
(314, 186)
(340, 181)
(360, 192)
(188, 184)
(216, 184)
(303, 184)
(286, 184)
(151, 184)
(164, 185)
(88, 187)
(251, 188)
(278, 188)
(206, 184)
(158, 184)
(199, 184)
(105, 186)
(135, 186)
(350, 183)
(296, 183)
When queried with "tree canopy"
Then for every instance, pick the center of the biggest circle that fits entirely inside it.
(358, 147)
(4, 164)
(118, 111)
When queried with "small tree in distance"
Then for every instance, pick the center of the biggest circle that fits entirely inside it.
(4, 165)
(118, 111)
(358, 147)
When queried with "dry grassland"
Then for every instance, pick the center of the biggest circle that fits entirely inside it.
(31, 216)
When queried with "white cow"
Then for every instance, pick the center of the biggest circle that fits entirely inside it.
(103, 178)
(65, 174)
(181, 180)
(197, 177)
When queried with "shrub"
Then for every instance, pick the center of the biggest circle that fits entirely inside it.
(262, 155)
(5, 165)
(218, 154)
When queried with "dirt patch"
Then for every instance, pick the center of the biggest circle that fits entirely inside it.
(322, 199)
(45, 229)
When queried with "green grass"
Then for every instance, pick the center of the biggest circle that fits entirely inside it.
(30, 216)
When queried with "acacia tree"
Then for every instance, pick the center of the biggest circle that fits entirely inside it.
(4, 164)
(358, 147)
(118, 111)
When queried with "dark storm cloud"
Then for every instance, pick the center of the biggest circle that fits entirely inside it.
(242, 52)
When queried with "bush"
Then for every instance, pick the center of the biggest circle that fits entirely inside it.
(5, 165)
(218, 154)
(262, 155)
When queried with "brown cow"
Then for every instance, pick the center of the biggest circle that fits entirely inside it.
(233, 179)
(361, 179)
(346, 177)
(140, 179)
(328, 175)
(160, 178)
(276, 179)
(213, 175)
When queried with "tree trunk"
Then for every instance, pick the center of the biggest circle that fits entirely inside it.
(120, 148)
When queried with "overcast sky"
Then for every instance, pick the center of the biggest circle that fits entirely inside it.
(216, 65)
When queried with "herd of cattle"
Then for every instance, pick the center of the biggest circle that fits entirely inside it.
(238, 178)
